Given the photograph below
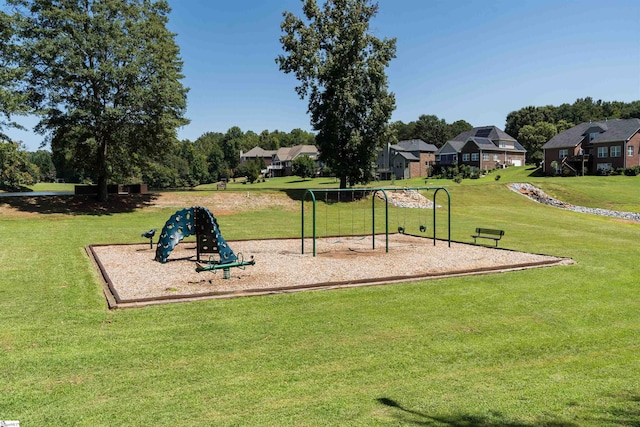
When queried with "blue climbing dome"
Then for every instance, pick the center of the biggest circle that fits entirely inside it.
(199, 221)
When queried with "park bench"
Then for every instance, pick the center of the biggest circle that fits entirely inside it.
(222, 185)
(488, 233)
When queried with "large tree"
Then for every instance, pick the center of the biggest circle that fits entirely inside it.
(16, 170)
(12, 96)
(341, 69)
(534, 137)
(106, 77)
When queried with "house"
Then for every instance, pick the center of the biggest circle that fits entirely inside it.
(406, 159)
(447, 155)
(258, 153)
(594, 147)
(482, 148)
(284, 157)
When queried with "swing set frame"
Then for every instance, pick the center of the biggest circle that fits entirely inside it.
(373, 191)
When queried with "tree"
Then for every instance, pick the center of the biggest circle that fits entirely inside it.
(15, 168)
(13, 99)
(432, 130)
(304, 167)
(457, 127)
(534, 137)
(249, 169)
(106, 72)
(341, 69)
(43, 160)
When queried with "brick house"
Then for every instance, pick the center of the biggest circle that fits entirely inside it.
(482, 148)
(407, 159)
(594, 147)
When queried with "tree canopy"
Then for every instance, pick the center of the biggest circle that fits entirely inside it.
(430, 129)
(13, 99)
(534, 137)
(582, 110)
(304, 167)
(341, 69)
(105, 77)
(16, 170)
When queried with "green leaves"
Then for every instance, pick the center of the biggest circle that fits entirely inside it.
(340, 67)
(110, 70)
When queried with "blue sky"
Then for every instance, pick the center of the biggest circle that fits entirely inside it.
(471, 60)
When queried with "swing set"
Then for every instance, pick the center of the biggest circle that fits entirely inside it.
(345, 195)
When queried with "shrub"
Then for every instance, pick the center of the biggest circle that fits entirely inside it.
(632, 171)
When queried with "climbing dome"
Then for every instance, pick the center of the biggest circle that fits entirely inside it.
(201, 222)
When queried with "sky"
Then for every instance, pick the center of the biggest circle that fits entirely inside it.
(473, 60)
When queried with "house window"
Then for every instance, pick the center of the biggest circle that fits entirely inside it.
(630, 151)
(603, 152)
(593, 135)
(496, 158)
(603, 166)
(475, 157)
(465, 157)
(616, 151)
(563, 153)
(485, 156)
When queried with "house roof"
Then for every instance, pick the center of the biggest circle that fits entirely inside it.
(491, 132)
(415, 145)
(612, 130)
(289, 153)
(487, 144)
(454, 147)
(259, 152)
(408, 156)
(482, 142)
(618, 130)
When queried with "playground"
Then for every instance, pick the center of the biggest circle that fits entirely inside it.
(210, 267)
(132, 277)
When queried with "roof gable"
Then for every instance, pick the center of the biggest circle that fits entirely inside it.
(285, 154)
(451, 147)
(406, 155)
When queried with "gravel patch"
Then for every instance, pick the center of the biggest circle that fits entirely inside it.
(536, 194)
(405, 198)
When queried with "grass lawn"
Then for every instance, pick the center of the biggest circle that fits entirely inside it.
(547, 347)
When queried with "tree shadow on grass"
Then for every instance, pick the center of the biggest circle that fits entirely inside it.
(408, 416)
(78, 205)
(623, 411)
(294, 181)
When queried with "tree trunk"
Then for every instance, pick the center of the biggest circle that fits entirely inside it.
(343, 181)
(103, 194)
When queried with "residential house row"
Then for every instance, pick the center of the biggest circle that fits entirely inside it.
(481, 148)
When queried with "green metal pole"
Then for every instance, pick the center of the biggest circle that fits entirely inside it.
(373, 220)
